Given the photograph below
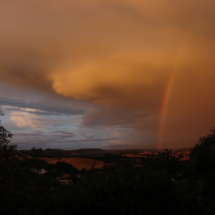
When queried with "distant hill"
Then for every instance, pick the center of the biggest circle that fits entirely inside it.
(60, 153)
(97, 152)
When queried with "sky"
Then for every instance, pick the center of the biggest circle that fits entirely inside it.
(111, 74)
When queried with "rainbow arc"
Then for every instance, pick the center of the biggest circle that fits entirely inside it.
(166, 98)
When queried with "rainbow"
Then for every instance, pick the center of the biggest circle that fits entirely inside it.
(166, 98)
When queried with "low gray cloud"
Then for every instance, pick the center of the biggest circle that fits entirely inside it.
(105, 116)
(43, 108)
(56, 139)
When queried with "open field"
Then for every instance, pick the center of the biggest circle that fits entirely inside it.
(78, 163)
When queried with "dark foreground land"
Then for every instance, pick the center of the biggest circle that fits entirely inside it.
(157, 183)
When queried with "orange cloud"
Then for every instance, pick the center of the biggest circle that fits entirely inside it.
(116, 53)
(123, 80)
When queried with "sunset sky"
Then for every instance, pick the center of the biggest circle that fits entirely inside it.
(110, 74)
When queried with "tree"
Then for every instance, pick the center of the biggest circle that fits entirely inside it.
(203, 154)
(203, 157)
(37, 152)
(6, 150)
(4, 134)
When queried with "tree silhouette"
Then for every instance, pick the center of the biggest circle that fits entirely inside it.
(6, 150)
(203, 154)
(37, 152)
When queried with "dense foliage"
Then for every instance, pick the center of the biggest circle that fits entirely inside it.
(163, 185)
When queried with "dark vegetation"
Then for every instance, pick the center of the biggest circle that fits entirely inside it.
(81, 153)
(58, 153)
(160, 185)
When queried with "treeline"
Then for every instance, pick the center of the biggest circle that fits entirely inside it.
(58, 153)
(163, 185)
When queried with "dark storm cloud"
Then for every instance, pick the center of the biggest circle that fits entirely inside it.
(45, 109)
(116, 116)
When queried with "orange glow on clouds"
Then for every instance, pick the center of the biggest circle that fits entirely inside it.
(118, 80)
(119, 56)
